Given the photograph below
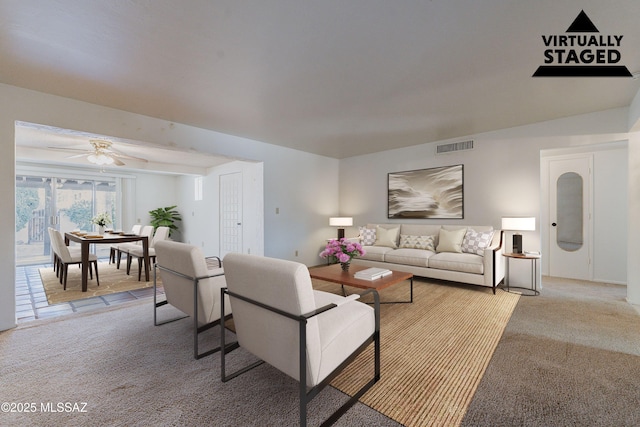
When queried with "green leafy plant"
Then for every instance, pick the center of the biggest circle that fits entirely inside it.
(26, 202)
(80, 214)
(165, 217)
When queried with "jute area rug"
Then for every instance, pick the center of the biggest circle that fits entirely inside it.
(112, 280)
(433, 352)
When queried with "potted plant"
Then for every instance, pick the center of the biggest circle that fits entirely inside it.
(101, 220)
(342, 251)
(165, 217)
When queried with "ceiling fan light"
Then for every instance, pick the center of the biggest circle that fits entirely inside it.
(100, 159)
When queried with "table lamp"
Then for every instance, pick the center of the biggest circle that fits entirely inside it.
(518, 224)
(341, 222)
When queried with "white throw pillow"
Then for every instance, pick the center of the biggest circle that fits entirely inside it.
(475, 242)
(387, 237)
(451, 240)
(367, 236)
(417, 242)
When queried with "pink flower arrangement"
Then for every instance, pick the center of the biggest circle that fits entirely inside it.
(342, 250)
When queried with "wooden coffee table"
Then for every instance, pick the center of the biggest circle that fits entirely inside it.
(333, 273)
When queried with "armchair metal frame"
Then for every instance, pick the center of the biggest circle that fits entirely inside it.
(196, 329)
(306, 395)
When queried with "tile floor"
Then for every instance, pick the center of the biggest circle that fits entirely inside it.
(31, 301)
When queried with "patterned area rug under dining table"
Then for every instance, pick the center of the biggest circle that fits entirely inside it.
(112, 280)
(433, 352)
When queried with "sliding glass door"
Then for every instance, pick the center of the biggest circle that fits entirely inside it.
(63, 203)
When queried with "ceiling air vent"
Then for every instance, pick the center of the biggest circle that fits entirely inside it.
(454, 146)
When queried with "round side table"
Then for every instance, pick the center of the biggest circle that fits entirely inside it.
(534, 277)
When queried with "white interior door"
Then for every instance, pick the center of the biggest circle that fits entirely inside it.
(230, 213)
(570, 217)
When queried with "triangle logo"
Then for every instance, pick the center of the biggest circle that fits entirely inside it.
(582, 55)
(582, 24)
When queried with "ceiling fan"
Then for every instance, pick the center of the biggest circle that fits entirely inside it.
(102, 153)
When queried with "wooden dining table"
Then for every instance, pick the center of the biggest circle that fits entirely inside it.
(108, 238)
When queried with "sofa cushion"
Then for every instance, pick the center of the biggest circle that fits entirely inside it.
(475, 242)
(387, 237)
(375, 253)
(407, 256)
(417, 242)
(421, 230)
(367, 236)
(465, 263)
(451, 240)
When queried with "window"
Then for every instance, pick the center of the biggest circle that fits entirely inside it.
(63, 203)
(198, 188)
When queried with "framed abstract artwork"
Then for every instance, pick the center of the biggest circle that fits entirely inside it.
(435, 193)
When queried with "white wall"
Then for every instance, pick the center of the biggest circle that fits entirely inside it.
(201, 218)
(633, 241)
(610, 215)
(633, 246)
(501, 174)
(153, 191)
(290, 177)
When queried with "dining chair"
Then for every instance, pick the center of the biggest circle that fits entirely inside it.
(123, 248)
(66, 258)
(137, 251)
(54, 250)
(74, 251)
(113, 250)
(307, 334)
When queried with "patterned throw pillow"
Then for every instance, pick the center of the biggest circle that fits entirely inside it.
(475, 242)
(367, 236)
(417, 242)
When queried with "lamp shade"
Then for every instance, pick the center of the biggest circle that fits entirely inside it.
(519, 223)
(341, 221)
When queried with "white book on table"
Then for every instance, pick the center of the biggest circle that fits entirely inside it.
(372, 273)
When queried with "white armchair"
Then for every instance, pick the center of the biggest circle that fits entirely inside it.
(190, 286)
(309, 335)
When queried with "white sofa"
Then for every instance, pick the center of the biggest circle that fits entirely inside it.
(475, 258)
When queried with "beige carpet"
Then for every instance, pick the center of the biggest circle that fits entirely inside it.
(569, 357)
(114, 368)
(112, 280)
(434, 351)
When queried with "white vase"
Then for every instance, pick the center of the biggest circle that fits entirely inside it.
(101, 230)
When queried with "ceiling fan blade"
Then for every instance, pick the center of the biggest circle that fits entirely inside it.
(116, 153)
(70, 150)
(100, 147)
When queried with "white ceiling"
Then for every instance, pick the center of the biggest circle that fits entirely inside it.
(33, 144)
(333, 77)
